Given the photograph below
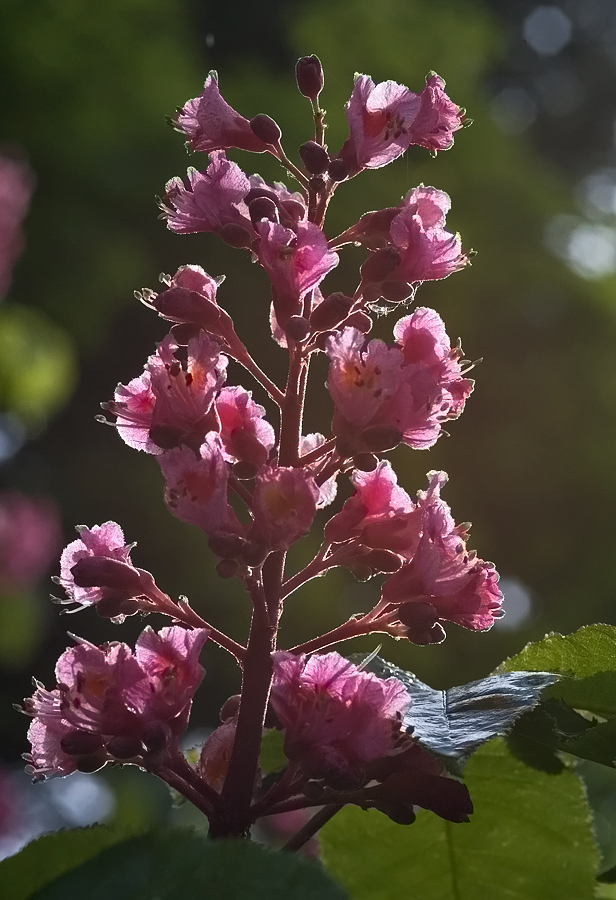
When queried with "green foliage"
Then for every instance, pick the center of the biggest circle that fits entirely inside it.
(529, 838)
(452, 724)
(272, 757)
(49, 857)
(176, 864)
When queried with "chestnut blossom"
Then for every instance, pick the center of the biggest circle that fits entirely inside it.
(111, 703)
(245, 433)
(209, 123)
(336, 717)
(376, 500)
(284, 505)
(296, 260)
(94, 550)
(172, 403)
(196, 486)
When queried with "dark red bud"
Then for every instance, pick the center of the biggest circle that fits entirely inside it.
(185, 332)
(294, 209)
(396, 291)
(316, 183)
(263, 208)
(156, 736)
(365, 462)
(244, 470)
(314, 157)
(331, 312)
(225, 544)
(378, 438)
(265, 129)
(248, 448)
(297, 328)
(166, 436)
(182, 305)
(80, 743)
(361, 571)
(380, 264)
(110, 607)
(346, 446)
(124, 747)
(254, 553)
(361, 321)
(235, 235)
(227, 568)
(98, 571)
(230, 707)
(92, 762)
(309, 75)
(338, 169)
(382, 561)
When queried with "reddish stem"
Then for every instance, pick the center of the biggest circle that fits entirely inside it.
(352, 628)
(318, 452)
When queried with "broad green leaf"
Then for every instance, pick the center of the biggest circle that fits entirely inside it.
(454, 723)
(50, 856)
(178, 864)
(272, 758)
(530, 838)
(587, 655)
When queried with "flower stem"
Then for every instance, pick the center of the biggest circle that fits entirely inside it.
(312, 826)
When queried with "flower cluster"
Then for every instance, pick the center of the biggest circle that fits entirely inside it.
(253, 484)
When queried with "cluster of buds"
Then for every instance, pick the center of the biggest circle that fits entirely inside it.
(342, 727)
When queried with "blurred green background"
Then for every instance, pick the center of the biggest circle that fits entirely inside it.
(84, 91)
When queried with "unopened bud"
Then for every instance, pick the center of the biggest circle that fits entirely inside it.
(254, 553)
(80, 743)
(235, 235)
(314, 157)
(99, 571)
(230, 707)
(396, 291)
(382, 561)
(225, 544)
(177, 304)
(262, 208)
(265, 129)
(365, 462)
(309, 75)
(185, 332)
(297, 328)
(92, 762)
(346, 446)
(331, 312)
(244, 470)
(166, 436)
(379, 438)
(124, 747)
(227, 568)
(156, 736)
(380, 264)
(361, 321)
(316, 183)
(338, 169)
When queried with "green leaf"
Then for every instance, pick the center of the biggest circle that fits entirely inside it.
(453, 724)
(272, 757)
(530, 838)
(179, 864)
(51, 856)
(588, 656)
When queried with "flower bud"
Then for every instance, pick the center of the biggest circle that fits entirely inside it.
(244, 470)
(230, 707)
(361, 321)
(91, 762)
(80, 743)
(338, 169)
(396, 291)
(185, 332)
(265, 129)
(262, 208)
(379, 264)
(297, 328)
(225, 544)
(382, 561)
(314, 157)
(183, 305)
(100, 571)
(309, 75)
(227, 568)
(235, 235)
(254, 553)
(365, 462)
(156, 736)
(331, 312)
(124, 747)
(379, 438)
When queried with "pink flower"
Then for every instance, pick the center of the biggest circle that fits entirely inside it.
(216, 753)
(438, 117)
(296, 260)
(336, 717)
(94, 550)
(245, 433)
(387, 118)
(376, 500)
(210, 200)
(172, 403)
(442, 581)
(284, 505)
(209, 123)
(16, 184)
(111, 703)
(196, 486)
(362, 375)
(29, 539)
